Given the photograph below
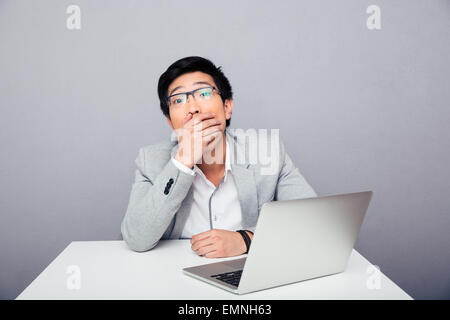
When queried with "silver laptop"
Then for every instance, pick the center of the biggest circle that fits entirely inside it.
(294, 240)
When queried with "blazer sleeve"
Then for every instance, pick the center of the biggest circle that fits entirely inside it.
(153, 203)
(291, 183)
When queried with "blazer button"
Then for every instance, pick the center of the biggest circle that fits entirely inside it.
(166, 191)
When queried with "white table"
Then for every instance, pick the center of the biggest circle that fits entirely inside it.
(110, 270)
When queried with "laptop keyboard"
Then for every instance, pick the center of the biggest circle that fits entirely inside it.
(232, 278)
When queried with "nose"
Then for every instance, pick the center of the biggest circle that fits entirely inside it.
(192, 105)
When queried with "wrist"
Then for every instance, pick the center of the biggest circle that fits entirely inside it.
(246, 239)
(183, 161)
(249, 233)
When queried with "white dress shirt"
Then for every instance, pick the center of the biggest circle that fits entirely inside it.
(212, 208)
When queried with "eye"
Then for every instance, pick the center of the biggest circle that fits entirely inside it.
(206, 94)
(177, 100)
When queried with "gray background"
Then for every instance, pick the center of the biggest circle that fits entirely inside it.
(357, 109)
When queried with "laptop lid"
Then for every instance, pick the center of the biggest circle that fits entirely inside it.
(302, 239)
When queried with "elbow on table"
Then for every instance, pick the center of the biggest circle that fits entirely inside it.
(137, 243)
(139, 246)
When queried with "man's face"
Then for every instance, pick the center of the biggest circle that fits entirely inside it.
(191, 81)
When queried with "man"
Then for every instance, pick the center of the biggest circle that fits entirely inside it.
(190, 187)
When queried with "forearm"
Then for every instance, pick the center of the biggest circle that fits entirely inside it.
(151, 208)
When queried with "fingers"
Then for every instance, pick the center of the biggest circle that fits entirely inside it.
(187, 118)
(199, 131)
(202, 243)
(210, 123)
(212, 129)
(199, 117)
(204, 124)
(213, 139)
(217, 243)
(213, 254)
(201, 236)
(206, 249)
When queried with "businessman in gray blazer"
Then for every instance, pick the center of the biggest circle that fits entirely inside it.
(208, 182)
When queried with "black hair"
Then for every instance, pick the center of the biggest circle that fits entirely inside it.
(192, 64)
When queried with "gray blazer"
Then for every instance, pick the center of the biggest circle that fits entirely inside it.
(161, 196)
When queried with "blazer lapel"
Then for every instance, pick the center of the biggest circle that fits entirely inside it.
(244, 179)
(247, 193)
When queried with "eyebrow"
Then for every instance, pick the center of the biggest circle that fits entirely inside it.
(198, 82)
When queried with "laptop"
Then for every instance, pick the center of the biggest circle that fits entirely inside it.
(294, 240)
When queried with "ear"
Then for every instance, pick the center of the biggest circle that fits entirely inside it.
(170, 122)
(228, 107)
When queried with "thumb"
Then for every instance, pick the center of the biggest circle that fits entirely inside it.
(187, 118)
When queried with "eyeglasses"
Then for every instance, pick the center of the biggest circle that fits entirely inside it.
(200, 94)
